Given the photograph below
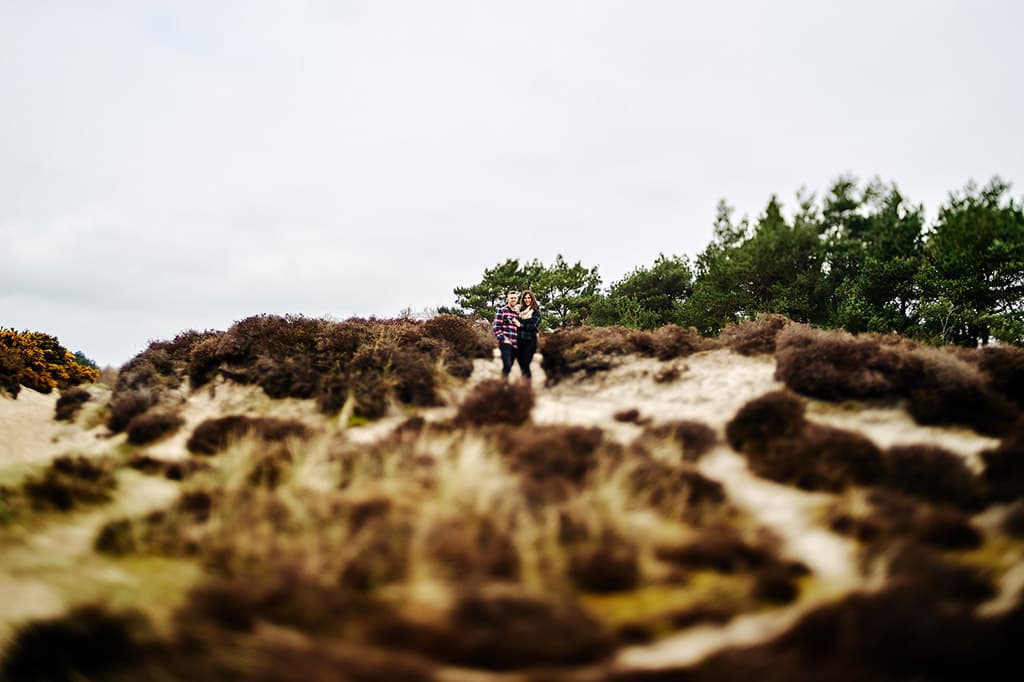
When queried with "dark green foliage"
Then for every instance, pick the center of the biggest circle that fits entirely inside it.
(565, 292)
(972, 281)
(84, 360)
(70, 481)
(496, 401)
(87, 643)
(70, 402)
(148, 427)
(213, 435)
(647, 298)
(126, 405)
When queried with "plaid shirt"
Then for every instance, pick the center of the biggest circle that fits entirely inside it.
(504, 328)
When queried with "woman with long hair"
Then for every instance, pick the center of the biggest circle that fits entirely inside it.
(529, 322)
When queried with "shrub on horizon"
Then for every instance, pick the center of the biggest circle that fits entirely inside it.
(38, 361)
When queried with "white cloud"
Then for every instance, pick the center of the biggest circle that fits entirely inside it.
(167, 165)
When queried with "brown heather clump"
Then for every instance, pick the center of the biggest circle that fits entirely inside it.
(932, 474)
(70, 402)
(505, 631)
(895, 518)
(677, 492)
(496, 401)
(754, 337)
(1004, 366)
(585, 349)
(86, 643)
(213, 435)
(781, 445)
(598, 349)
(672, 341)
(151, 426)
(466, 339)
(543, 454)
(162, 365)
(70, 481)
(1004, 467)
(127, 405)
(939, 387)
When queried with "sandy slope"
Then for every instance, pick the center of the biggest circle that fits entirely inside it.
(710, 388)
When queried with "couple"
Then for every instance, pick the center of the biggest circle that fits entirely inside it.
(515, 327)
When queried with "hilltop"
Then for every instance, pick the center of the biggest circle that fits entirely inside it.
(307, 499)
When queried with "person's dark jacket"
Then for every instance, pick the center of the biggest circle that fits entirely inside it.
(528, 327)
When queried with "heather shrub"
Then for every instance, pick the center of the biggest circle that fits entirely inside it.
(630, 415)
(213, 435)
(11, 366)
(781, 445)
(163, 364)
(893, 517)
(471, 548)
(541, 453)
(608, 564)
(1013, 522)
(70, 481)
(676, 492)
(1004, 367)
(506, 631)
(834, 365)
(70, 402)
(584, 349)
(931, 473)
(86, 643)
(462, 336)
(1004, 467)
(754, 337)
(940, 388)
(150, 426)
(672, 341)
(945, 390)
(773, 415)
(718, 548)
(496, 401)
(127, 405)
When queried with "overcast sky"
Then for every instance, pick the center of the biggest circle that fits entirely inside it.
(181, 165)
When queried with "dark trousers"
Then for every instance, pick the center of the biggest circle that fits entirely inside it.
(524, 355)
(508, 356)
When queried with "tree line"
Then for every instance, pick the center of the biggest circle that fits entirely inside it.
(862, 258)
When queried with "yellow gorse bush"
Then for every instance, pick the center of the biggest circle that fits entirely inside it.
(37, 360)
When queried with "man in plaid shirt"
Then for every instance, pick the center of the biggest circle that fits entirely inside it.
(506, 322)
